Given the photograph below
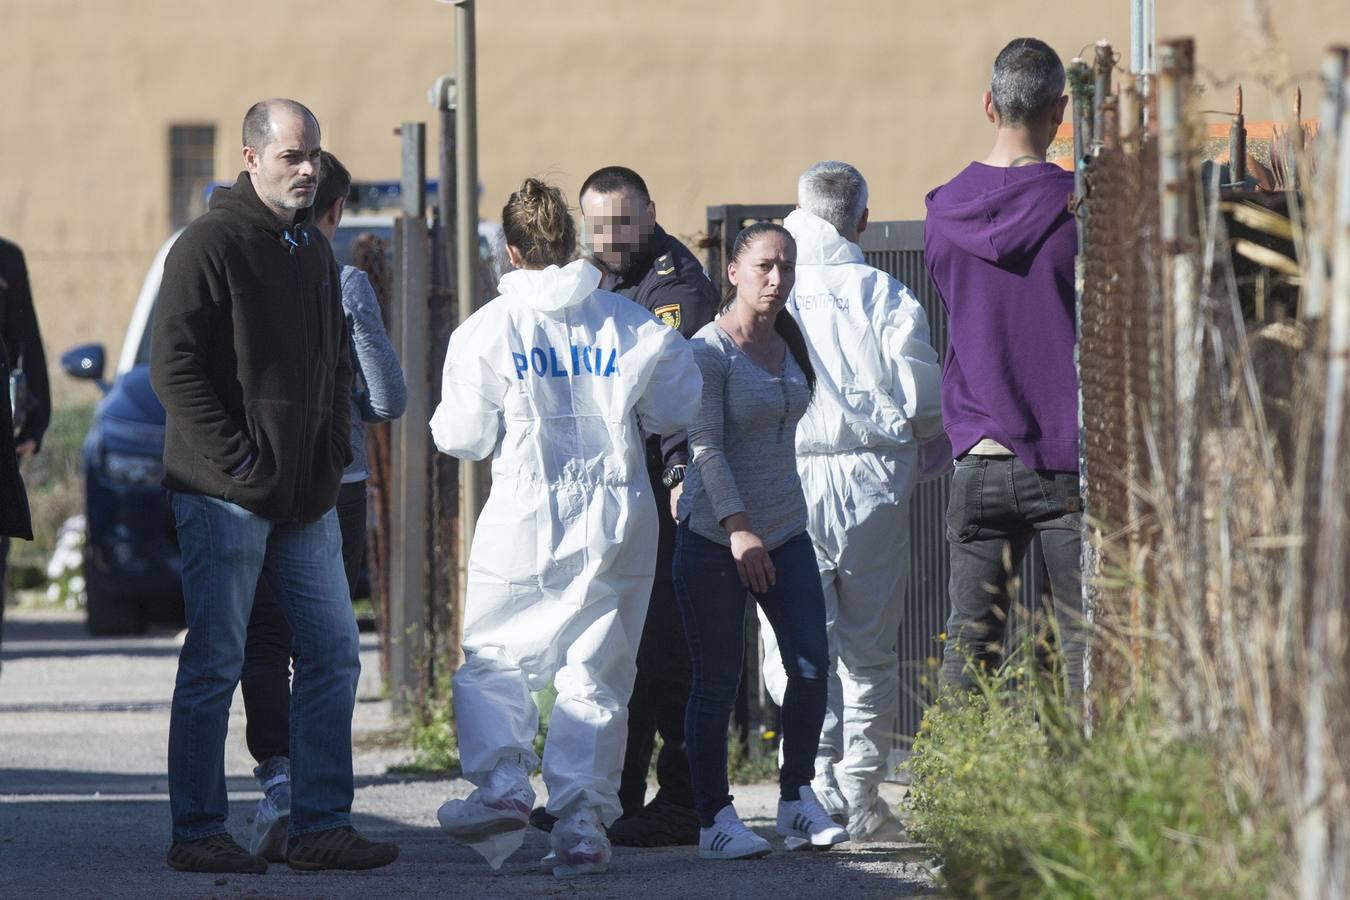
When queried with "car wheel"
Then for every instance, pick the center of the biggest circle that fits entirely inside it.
(108, 611)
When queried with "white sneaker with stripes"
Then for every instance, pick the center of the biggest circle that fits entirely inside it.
(805, 825)
(729, 838)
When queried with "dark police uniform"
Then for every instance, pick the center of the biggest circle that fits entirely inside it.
(668, 281)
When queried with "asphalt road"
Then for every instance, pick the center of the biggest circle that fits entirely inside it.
(84, 806)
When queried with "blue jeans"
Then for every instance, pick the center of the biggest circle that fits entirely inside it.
(712, 602)
(226, 549)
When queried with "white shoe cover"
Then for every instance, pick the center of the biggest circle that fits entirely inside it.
(579, 845)
(492, 819)
(831, 799)
(267, 836)
(876, 824)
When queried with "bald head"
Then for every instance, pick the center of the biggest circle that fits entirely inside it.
(260, 127)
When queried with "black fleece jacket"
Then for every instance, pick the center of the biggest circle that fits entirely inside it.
(249, 357)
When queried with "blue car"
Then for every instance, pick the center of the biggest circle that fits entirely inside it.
(131, 559)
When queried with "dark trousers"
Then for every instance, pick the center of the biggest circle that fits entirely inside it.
(266, 677)
(4, 572)
(997, 506)
(656, 707)
(712, 601)
(661, 689)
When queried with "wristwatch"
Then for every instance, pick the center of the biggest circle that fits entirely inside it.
(671, 476)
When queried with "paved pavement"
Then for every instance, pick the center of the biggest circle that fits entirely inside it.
(84, 807)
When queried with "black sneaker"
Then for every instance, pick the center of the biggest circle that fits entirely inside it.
(658, 824)
(542, 819)
(217, 853)
(337, 848)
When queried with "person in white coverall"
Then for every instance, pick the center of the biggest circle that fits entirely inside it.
(560, 382)
(877, 400)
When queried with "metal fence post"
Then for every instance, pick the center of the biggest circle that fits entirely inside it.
(1237, 145)
(408, 543)
(1182, 287)
(1335, 64)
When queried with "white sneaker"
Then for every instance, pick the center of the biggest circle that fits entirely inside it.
(267, 835)
(804, 824)
(876, 824)
(579, 845)
(729, 838)
(503, 804)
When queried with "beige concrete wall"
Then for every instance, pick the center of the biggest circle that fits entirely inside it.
(714, 101)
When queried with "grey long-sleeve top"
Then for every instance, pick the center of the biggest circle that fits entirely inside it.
(743, 444)
(379, 392)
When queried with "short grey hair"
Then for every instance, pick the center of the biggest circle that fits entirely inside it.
(1028, 78)
(257, 130)
(835, 192)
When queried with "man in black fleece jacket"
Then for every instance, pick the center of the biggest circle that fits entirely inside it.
(249, 357)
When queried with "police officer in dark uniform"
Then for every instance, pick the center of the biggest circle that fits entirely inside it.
(659, 273)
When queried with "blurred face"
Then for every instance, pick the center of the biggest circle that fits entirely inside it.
(285, 173)
(764, 273)
(616, 227)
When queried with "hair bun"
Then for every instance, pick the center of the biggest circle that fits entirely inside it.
(537, 222)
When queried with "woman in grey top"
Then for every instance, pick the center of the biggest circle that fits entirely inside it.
(743, 528)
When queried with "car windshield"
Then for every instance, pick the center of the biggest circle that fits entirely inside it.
(342, 248)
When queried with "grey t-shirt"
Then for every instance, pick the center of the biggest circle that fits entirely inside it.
(743, 445)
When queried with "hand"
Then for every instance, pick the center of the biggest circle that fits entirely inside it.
(752, 561)
(25, 449)
(675, 500)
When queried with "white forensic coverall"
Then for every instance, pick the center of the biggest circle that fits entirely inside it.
(877, 398)
(559, 381)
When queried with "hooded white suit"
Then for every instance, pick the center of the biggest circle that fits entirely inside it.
(559, 380)
(877, 399)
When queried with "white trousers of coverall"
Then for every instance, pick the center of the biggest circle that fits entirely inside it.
(858, 518)
(576, 622)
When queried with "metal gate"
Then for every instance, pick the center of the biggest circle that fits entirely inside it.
(897, 249)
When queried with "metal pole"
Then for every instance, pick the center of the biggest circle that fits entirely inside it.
(1136, 36)
(466, 235)
(1081, 85)
(444, 97)
(1237, 145)
(1335, 68)
(1181, 259)
(409, 440)
(1102, 62)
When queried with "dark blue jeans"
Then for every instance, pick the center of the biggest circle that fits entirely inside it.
(226, 549)
(712, 603)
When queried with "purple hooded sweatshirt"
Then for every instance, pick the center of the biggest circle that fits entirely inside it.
(1000, 246)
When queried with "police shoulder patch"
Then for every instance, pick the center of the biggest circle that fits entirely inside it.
(670, 314)
(665, 264)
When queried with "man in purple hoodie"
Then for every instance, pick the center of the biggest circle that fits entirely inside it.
(1000, 243)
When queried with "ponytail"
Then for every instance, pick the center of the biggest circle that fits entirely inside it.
(791, 333)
